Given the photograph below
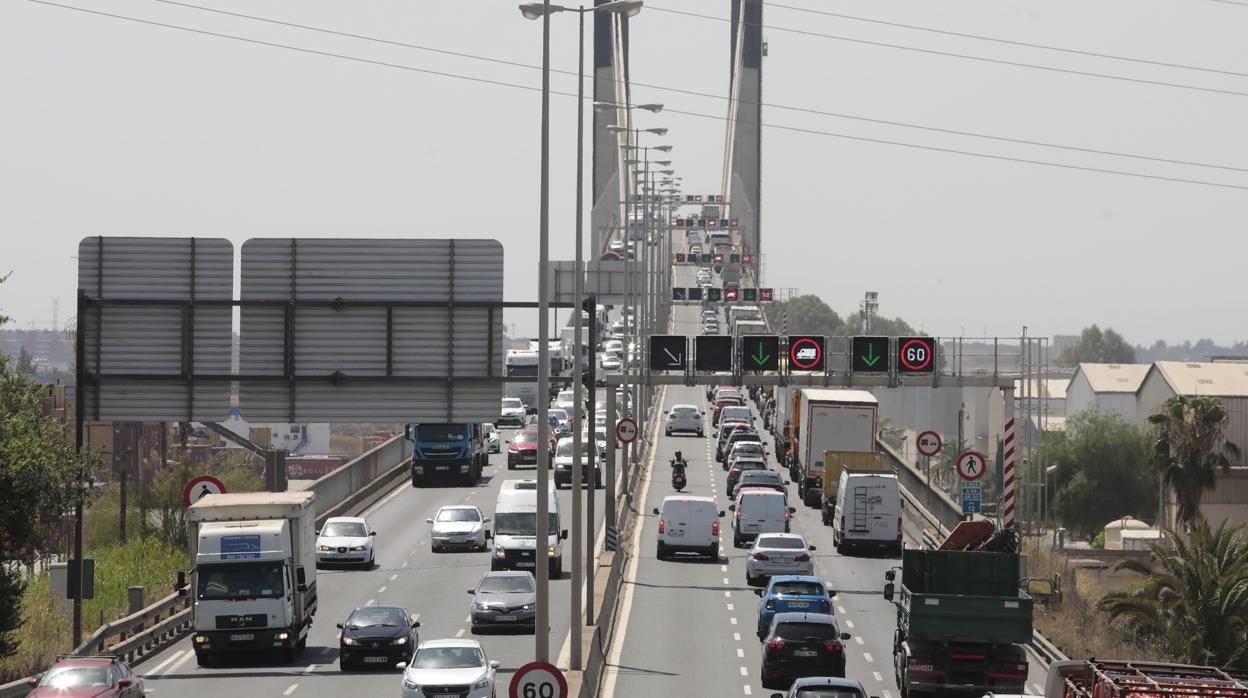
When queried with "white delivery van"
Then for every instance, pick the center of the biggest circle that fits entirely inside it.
(515, 529)
(688, 525)
(867, 513)
(759, 511)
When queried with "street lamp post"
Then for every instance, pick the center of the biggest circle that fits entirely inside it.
(543, 10)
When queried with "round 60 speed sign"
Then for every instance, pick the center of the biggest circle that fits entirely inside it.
(538, 680)
(971, 465)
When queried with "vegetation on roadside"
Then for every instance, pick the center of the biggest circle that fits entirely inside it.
(1097, 347)
(1191, 449)
(1103, 471)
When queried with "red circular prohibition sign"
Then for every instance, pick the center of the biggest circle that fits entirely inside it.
(806, 365)
(926, 351)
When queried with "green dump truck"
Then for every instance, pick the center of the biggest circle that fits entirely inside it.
(962, 622)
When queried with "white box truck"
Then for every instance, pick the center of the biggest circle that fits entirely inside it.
(830, 420)
(254, 576)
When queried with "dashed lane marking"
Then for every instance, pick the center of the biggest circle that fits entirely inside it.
(731, 607)
(858, 639)
(867, 656)
(172, 658)
(736, 637)
(740, 653)
(459, 633)
(394, 577)
(733, 620)
(744, 672)
(877, 676)
(382, 590)
(849, 624)
(290, 689)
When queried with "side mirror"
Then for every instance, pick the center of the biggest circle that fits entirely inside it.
(563, 535)
(472, 591)
(890, 575)
(415, 624)
(888, 591)
(489, 535)
(407, 431)
(831, 593)
(811, 548)
(32, 681)
(844, 636)
(759, 593)
(731, 507)
(494, 664)
(401, 666)
(429, 521)
(792, 510)
(721, 513)
(656, 511)
(124, 683)
(485, 520)
(338, 625)
(372, 533)
(300, 578)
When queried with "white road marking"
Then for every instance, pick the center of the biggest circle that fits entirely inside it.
(180, 662)
(727, 594)
(172, 658)
(849, 624)
(736, 637)
(840, 609)
(723, 568)
(311, 668)
(405, 563)
(858, 639)
(886, 694)
(290, 689)
(381, 502)
(747, 689)
(867, 656)
(383, 590)
(370, 602)
(468, 619)
(877, 676)
(733, 620)
(725, 580)
(1035, 688)
(740, 653)
(459, 633)
(730, 607)
(394, 577)
(743, 671)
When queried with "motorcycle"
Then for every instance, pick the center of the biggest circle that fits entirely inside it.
(678, 473)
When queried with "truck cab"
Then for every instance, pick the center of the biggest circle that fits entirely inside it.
(447, 452)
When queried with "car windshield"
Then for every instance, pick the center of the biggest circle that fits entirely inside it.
(565, 449)
(376, 617)
(827, 692)
(684, 410)
(506, 584)
(240, 581)
(747, 447)
(760, 478)
(458, 515)
(525, 437)
(344, 529)
(751, 465)
(512, 403)
(801, 631)
(71, 677)
(558, 414)
(795, 587)
(447, 658)
(439, 432)
(522, 524)
(781, 543)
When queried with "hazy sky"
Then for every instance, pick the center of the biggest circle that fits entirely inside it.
(117, 128)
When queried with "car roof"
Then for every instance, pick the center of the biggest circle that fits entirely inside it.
(761, 474)
(792, 536)
(809, 681)
(760, 461)
(345, 519)
(683, 406)
(802, 617)
(780, 578)
(507, 573)
(377, 608)
(687, 498)
(460, 506)
(450, 642)
(759, 492)
(86, 661)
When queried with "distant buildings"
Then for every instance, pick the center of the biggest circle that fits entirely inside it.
(1108, 388)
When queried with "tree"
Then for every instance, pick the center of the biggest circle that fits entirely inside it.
(1191, 448)
(1195, 604)
(808, 314)
(1103, 471)
(889, 327)
(1097, 347)
(25, 362)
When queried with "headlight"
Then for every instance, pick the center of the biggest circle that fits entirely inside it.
(324, 548)
(350, 641)
(357, 548)
(480, 606)
(551, 551)
(410, 684)
(483, 683)
(399, 641)
(528, 607)
(499, 552)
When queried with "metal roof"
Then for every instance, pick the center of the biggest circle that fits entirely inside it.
(1113, 378)
(1051, 388)
(1220, 379)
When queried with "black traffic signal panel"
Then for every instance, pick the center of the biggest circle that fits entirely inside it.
(916, 354)
(694, 293)
(678, 293)
(667, 352)
(760, 352)
(749, 294)
(706, 257)
(713, 352)
(806, 353)
(871, 354)
(716, 294)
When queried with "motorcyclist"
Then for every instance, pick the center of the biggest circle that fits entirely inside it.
(678, 472)
(679, 461)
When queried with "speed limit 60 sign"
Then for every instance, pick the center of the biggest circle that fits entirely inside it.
(538, 680)
(916, 354)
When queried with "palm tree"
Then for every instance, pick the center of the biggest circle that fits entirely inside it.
(1195, 603)
(1191, 447)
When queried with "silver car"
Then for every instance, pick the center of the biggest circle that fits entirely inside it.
(504, 599)
(461, 527)
(461, 663)
(684, 418)
(778, 553)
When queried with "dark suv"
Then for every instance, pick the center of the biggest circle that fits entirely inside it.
(739, 432)
(802, 644)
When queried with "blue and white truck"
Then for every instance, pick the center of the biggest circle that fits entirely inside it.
(254, 576)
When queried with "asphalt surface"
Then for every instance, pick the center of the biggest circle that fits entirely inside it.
(688, 626)
(431, 587)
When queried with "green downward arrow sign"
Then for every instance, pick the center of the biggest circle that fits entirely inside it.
(871, 358)
(759, 357)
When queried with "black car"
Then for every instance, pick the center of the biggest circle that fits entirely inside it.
(742, 432)
(802, 644)
(377, 636)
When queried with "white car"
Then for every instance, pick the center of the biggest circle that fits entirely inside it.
(686, 418)
(461, 664)
(616, 246)
(513, 412)
(564, 457)
(749, 450)
(778, 553)
(613, 346)
(564, 401)
(492, 440)
(611, 362)
(460, 526)
(345, 540)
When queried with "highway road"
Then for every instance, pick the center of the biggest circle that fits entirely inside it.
(687, 626)
(407, 573)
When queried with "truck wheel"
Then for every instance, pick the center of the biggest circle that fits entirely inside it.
(415, 481)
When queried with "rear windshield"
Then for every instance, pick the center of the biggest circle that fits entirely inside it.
(827, 692)
(801, 631)
(781, 543)
(803, 588)
(684, 410)
(751, 465)
(512, 402)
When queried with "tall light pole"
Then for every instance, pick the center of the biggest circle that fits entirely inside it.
(543, 10)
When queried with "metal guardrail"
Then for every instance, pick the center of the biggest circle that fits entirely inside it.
(144, 632)
(934, 532)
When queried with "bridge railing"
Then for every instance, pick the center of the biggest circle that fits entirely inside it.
(350, 488)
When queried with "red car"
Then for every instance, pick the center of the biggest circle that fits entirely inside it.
(721, 403)
(522, 449)
(87, 677)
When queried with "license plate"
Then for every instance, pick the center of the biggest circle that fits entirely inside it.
(526, 564)
(751, 527)
(375, 660)
(445, 695)
(442, 467)
(675, 534)
(805, 653)
(242, 637)
(506, 618)
(798, 604)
